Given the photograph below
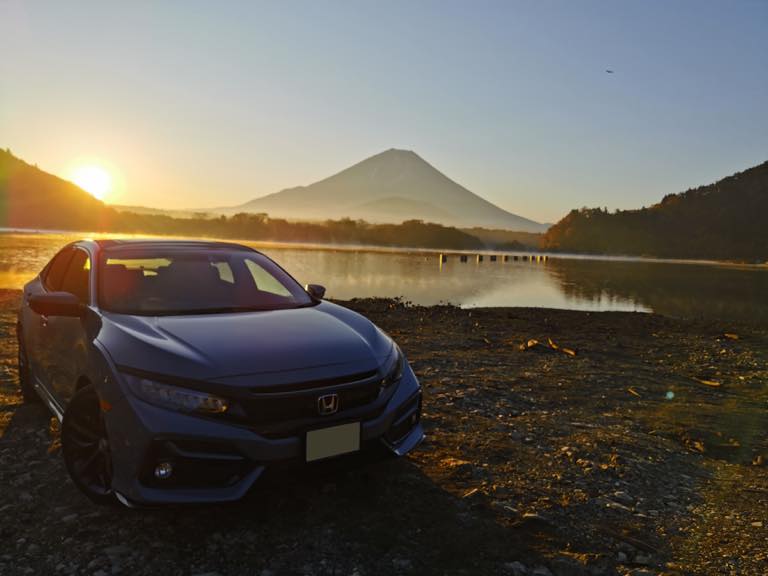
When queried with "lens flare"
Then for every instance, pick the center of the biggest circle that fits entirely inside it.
(93, 179)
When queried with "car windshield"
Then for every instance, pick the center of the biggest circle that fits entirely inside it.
(173, 281)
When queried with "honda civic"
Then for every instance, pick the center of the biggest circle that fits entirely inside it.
(183, 371)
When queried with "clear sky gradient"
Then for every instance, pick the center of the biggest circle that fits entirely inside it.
(197, 104)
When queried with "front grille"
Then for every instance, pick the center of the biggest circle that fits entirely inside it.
(313, 384)
(281, 411)
(269, 408)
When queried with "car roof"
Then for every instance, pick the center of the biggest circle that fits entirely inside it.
(106, 243)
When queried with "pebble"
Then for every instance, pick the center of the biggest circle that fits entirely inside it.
(516, 568)
(623, 498)
(642, 560)
(402, 564)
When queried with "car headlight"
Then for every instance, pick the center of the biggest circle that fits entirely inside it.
(177, 398)
(394, 369)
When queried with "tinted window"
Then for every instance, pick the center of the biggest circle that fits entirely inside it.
(77, 277)
(171, 280)
(54, 274)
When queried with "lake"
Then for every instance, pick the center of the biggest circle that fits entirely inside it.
(674, 288)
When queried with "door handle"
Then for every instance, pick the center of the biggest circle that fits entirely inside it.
(43, 320)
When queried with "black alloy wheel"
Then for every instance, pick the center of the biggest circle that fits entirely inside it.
(85, 445)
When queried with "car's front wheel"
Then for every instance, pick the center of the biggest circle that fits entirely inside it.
(85, 445)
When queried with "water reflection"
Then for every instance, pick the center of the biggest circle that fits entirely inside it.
(677, 289)
(673, 289)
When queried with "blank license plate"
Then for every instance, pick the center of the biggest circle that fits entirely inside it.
(333, 441)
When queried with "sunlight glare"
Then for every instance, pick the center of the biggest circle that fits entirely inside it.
(93, 179)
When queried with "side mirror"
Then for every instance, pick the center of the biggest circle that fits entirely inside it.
(57, 304)
(315, 290)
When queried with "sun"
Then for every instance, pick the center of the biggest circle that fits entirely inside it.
(93, 179)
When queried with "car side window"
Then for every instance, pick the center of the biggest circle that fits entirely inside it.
(77, 278)
(54, 274)
(225, 272)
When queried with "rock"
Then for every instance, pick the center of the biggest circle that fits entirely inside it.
(642, 560)
(116, 550)
(627, 548)
(541, 571)
(621, 558)
(568, 567)
(403, 564)
(516, 568)
(623, 498)
(69, 517)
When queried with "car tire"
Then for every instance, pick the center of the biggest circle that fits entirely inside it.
(28, 393)
(86, 449)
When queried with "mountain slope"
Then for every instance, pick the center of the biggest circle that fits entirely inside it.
(722, 220)
(392, 186)
(31, 198)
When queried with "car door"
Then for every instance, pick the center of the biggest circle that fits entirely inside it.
(67, 336)
(37, 342)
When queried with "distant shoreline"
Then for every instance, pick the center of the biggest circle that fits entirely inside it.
(414, 250)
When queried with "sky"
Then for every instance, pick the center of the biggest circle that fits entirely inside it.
(193, 104)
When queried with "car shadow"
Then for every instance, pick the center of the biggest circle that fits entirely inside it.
(386, 518)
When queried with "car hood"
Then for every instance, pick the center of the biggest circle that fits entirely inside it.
(312, 342)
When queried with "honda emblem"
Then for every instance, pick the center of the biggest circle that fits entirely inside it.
(328, 404)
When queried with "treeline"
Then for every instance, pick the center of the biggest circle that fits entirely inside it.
(412, 233)
(724, 220)
(506, 239)
(32, 198)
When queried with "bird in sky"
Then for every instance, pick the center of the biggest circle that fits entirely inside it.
(609, 71)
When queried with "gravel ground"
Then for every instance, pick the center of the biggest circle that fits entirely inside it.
(636, 447)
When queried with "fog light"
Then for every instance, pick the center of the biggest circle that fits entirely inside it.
(163, 470)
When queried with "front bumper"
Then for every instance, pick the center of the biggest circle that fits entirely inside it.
(218, 461)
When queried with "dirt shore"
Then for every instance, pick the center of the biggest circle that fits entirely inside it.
(638, 446)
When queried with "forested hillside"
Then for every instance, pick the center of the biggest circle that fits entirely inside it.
(32, 198)
(724, 220)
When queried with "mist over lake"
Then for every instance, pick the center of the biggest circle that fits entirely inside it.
(687, 289)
